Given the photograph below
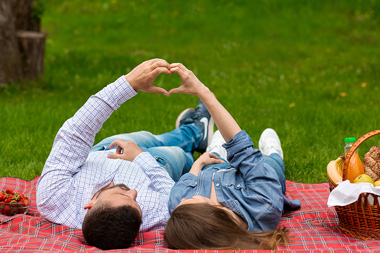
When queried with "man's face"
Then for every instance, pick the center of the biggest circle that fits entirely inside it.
(118, 195)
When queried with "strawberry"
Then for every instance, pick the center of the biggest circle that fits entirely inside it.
(6, 210)
(9, 191)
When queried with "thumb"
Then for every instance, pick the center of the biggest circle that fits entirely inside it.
(155, 89)
(175, 91)
(115, 143)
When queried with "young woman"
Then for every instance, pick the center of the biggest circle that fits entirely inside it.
(228, 205)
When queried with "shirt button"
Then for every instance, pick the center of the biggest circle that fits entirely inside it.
(217, 184)
(238, 185)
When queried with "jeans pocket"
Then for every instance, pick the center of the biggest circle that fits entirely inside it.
(165, 165)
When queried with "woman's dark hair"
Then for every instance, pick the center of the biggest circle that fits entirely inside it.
(111, 227)
(203, 226)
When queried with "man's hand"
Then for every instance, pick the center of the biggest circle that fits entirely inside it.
(142, 76)
(204, 160)
(126, 150)
(190, 83)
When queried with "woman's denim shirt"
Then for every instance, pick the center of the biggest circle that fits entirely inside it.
(247, 186)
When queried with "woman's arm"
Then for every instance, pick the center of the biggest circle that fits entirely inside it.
(226, 124)
(204, 160)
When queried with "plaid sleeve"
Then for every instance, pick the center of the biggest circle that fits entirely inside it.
(157, 174)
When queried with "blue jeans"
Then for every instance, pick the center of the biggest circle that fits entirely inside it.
(172, 150)
(276, 162)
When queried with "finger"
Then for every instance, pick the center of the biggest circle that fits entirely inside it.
(114, 156)
(152, 61)
(160, 63)
(174, 70)
(177, 65)
(213, 156)
(175, 91)
(160, 70)
(159, 90)
(173, 65)
(179, 71)
(114, 143)
(177, 68)
(119, 150)
(215, 160)
(182, 71)
(219, 161)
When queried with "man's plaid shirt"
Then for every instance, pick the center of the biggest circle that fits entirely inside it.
(72, 175)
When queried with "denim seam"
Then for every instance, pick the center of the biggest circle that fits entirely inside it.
(167, 164)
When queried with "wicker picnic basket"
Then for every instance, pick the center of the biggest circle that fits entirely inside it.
(360, 219)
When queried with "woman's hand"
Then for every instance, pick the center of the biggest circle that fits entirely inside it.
(126, 150)
(190, 83)
(204, 160)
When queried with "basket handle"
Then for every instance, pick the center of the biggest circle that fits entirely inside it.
(353, 148)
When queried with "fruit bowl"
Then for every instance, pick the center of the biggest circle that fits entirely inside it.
(12, 203)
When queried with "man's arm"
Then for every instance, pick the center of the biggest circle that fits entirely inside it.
(71, 147)
(76, 137)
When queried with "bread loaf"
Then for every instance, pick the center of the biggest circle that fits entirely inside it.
(371, 163)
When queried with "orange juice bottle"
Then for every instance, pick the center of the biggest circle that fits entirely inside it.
(355, 167)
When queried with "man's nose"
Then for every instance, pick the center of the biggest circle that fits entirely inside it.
(133, 194)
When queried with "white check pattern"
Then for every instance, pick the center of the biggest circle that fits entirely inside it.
(72, 175)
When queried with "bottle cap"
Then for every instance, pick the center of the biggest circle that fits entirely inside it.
(350, 139)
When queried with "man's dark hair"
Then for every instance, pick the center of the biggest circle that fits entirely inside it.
(111, 227)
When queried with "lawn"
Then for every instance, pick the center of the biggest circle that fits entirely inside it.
(308, 69)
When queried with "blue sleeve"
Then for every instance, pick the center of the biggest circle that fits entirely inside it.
(260, 179)
(242, 156)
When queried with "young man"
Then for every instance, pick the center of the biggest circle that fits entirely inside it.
(114, 193)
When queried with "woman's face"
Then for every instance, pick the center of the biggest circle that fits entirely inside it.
(203, 200)
(197, 199)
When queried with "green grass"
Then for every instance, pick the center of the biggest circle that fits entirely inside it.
(295, 66)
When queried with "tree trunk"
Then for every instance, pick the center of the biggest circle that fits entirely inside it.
(23, 17)
(10, 62)
(32, 48)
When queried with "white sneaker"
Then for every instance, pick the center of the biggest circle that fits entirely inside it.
(216, 145)
(269, 143)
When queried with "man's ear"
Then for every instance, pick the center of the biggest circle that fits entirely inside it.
(89, 205)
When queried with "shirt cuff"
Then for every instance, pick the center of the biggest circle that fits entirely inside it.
(146, 160)
(117, 93)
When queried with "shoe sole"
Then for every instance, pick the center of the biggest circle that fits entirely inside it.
(264, 134)
(178, 120)
(210, 130)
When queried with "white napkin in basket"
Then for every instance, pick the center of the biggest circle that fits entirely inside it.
(346, 193)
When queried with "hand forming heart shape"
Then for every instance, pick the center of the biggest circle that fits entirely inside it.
(142, 77)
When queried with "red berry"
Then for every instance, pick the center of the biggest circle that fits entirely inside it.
(9, 191)
(6, 210)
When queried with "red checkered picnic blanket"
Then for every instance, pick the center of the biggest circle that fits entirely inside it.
(313, 228)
